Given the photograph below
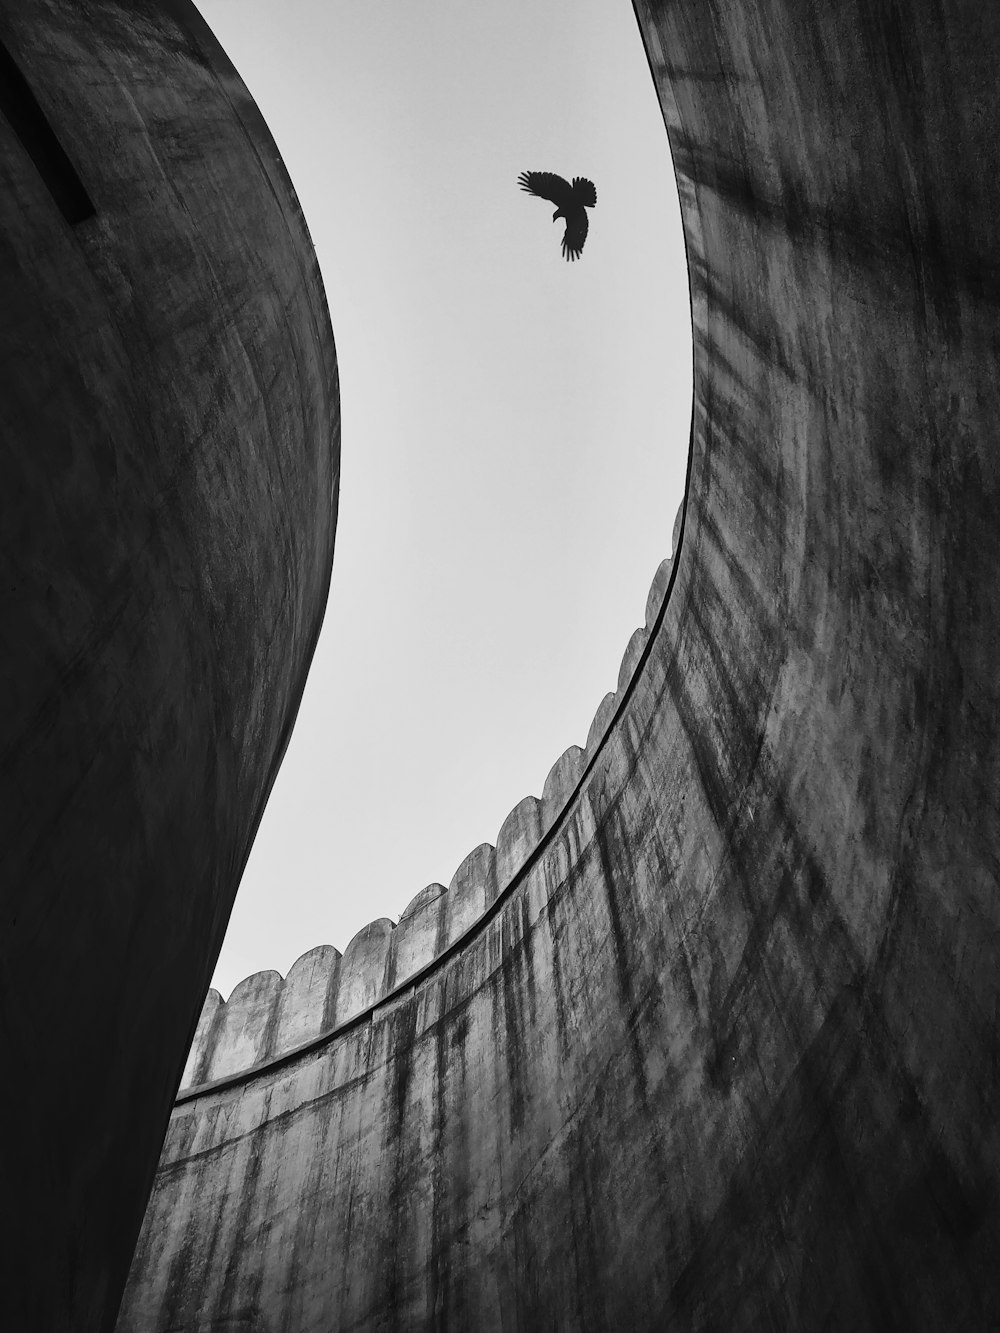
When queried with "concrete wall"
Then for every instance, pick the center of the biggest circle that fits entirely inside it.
(168, 476)
(723, 1054)
(268, 1017)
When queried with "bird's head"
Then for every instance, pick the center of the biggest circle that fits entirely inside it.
(558, 214)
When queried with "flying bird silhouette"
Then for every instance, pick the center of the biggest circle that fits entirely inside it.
(572, 202)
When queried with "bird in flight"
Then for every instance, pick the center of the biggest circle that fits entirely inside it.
(572, 202)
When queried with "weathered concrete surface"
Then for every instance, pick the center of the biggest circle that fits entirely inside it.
(268, 1017)
(725, 1054)
(168, 478)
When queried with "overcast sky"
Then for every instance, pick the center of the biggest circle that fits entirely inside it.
(514, 426)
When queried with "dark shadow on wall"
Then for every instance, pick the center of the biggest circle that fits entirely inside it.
(28, 121)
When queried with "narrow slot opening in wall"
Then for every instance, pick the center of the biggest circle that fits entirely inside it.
(29, 122)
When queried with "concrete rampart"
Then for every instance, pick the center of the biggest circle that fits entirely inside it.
(724, 1053)
(267, 1017)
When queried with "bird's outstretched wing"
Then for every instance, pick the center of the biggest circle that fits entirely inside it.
(547, 185)
(584, 192)
(575, 234)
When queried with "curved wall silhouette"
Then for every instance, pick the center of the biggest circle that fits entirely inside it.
(169, 417)
(724, 1054)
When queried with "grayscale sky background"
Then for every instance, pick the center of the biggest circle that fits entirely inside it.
(514, 426)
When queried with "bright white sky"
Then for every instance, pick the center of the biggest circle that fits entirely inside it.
(514, 426)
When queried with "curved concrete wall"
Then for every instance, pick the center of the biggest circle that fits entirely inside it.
(170, 422)
(724, 1053)
(268, 1017)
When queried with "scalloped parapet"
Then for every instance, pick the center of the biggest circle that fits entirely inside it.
(518, 837)
(560, 784)
(418, 937)
(658, 591)
(201, 1047)
(474, 886)
(305, 1003)
(243, 1028)
(602, 720)
(364, 970)
(631, 658)
(266, 1016)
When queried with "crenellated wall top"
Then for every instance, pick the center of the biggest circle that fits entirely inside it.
(267, 1017)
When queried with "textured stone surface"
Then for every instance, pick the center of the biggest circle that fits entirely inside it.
(725, 1056)
(168, 475)
(560, 784)
(304, 1006)
(418, 937)
(267, 1017)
